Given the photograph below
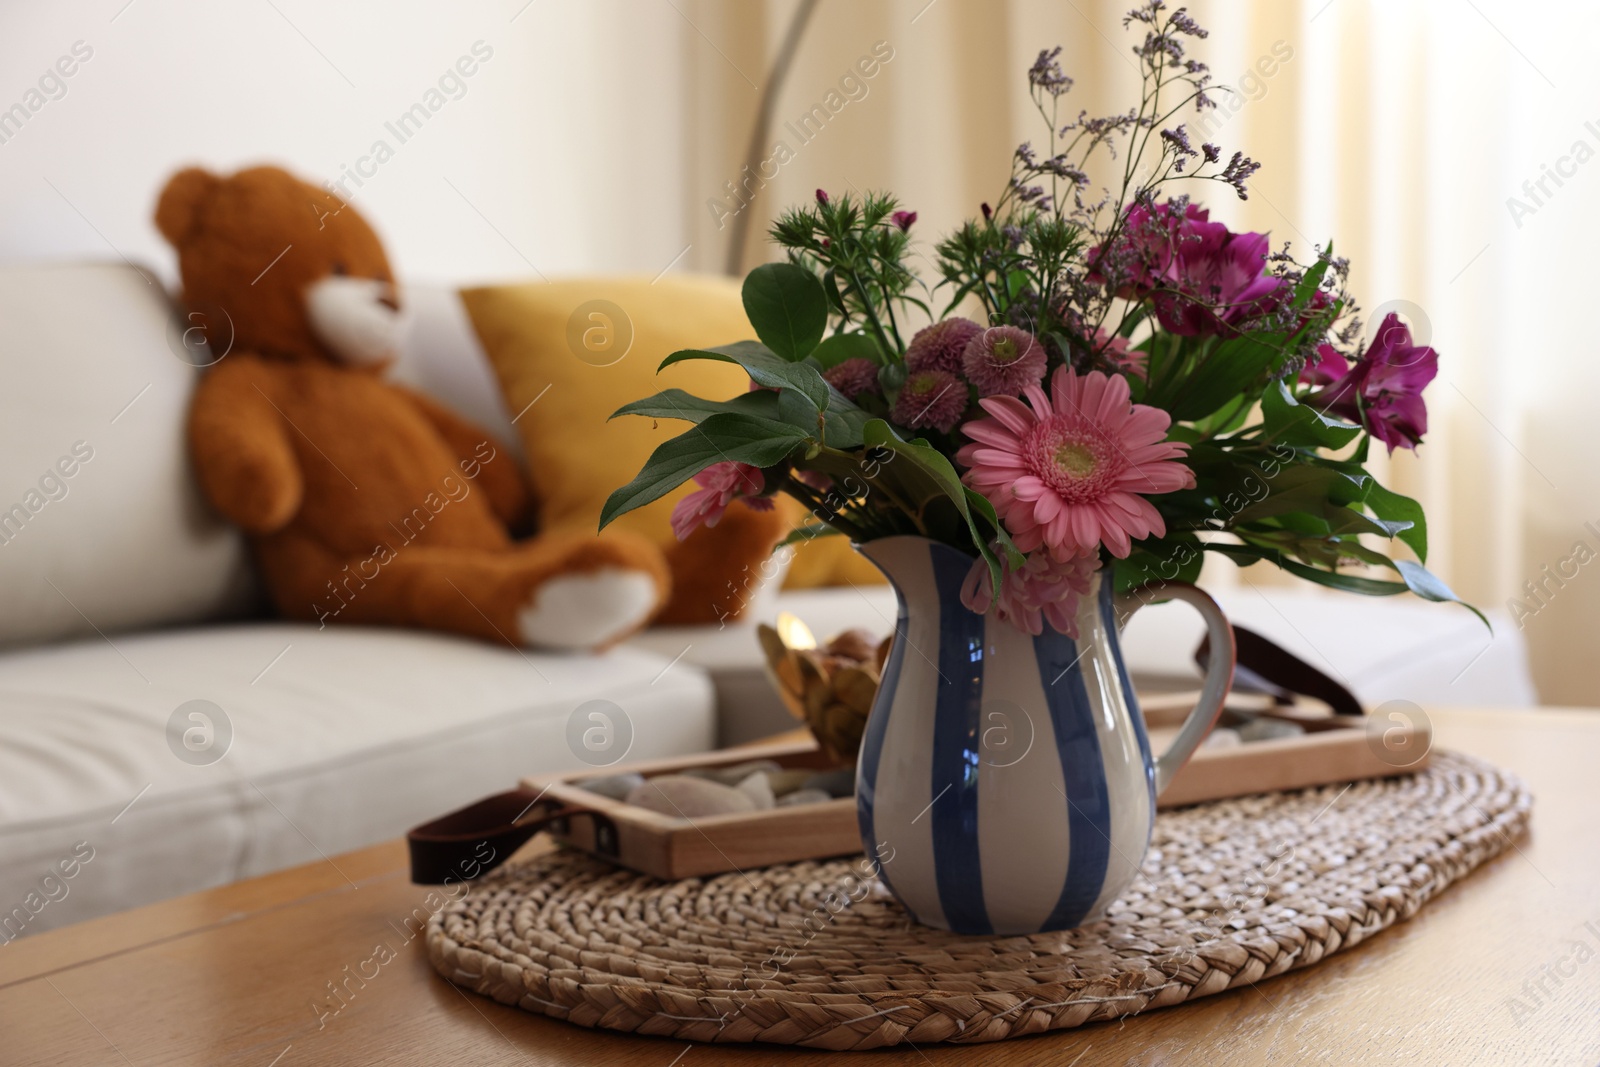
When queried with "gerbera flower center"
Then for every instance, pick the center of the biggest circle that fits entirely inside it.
(1075, 460)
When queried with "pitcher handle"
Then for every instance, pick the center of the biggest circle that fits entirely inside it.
(1219, 670)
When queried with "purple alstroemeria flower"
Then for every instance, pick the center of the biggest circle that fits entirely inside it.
(1202, 277)
(1325, 367)
(1383, 390)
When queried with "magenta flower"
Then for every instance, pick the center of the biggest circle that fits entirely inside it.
(903, 219)
(1043, 590)
(1383, 390)
(822, 197)
(1201, 277)
(721, 484)
(853, 377)
(1002, 360)
(934, 398)
(1071, 471)
(939, 347)
(1325, 367)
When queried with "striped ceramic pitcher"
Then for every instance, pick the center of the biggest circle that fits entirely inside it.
(1005, 783)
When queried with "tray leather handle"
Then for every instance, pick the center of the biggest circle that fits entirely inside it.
(1267, 667)
(473, 840)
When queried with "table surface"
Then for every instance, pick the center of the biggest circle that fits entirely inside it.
(1503, 968)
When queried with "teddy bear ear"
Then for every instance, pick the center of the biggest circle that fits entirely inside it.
(180, 202)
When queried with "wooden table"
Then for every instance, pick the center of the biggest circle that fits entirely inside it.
(1503, 968)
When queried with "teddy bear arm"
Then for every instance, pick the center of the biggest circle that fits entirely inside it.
(485, 460)
(718, 570)
(242, 454)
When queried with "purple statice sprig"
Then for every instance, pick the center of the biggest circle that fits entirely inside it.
(1238, 172)
(1046, 74)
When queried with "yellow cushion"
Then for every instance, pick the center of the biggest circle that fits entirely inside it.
(577, 350)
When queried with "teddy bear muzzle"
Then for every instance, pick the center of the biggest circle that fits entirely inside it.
(359, 319)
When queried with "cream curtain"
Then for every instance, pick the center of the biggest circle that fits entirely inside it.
(1398, 129)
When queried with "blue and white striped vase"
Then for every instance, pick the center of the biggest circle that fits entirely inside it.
(1005, 783)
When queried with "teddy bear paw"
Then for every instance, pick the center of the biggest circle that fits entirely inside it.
(587, 610)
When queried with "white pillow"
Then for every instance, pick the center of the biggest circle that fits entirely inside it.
(101, 524)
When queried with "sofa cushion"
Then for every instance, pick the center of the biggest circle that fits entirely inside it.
(595, 344)
(340, 738)
(440, 356)
(101, 525)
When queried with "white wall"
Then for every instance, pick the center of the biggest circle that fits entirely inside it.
(567, 139)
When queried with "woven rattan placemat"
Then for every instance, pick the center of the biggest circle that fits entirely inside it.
(1231, 892)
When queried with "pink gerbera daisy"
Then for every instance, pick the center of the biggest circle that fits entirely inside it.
(721, 484)
(1043, 590)
(939, 347)
(934, 398)
(1001, 360)
(1071, 471)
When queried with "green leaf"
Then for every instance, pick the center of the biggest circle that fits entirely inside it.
(788, 308)
(677, 404)
(979, 504)
(764, 367)
(1174, 558)
(1231, 368)
(842, 346)
(1293, 423)
(830, 287)
(806, 533)
(938, 470)
(846, 424)
(1295, 488)
(1417, 579)
(1333, 579)
(1313, 279)
(1429, 586)
(724, 436)
(1389, 505)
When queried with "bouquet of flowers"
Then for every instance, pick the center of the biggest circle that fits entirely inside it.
(1133, 384)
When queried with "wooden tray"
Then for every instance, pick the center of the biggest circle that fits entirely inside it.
(1333, 749)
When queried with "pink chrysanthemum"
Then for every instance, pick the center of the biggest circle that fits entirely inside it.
(939, 347)
(934, 398)
(1002, 360)
(853, 377)
(1072, 470)
(721, 484)
(1043, 590)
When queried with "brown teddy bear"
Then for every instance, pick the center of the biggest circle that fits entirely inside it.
(365, 501)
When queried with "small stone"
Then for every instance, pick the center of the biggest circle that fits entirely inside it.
(1265, 729)
(615, 786)
(804, 796)
(839, 783)
(734, 774)
(1223, 737)
(787, 781)
(688, 798)
(758, 789)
